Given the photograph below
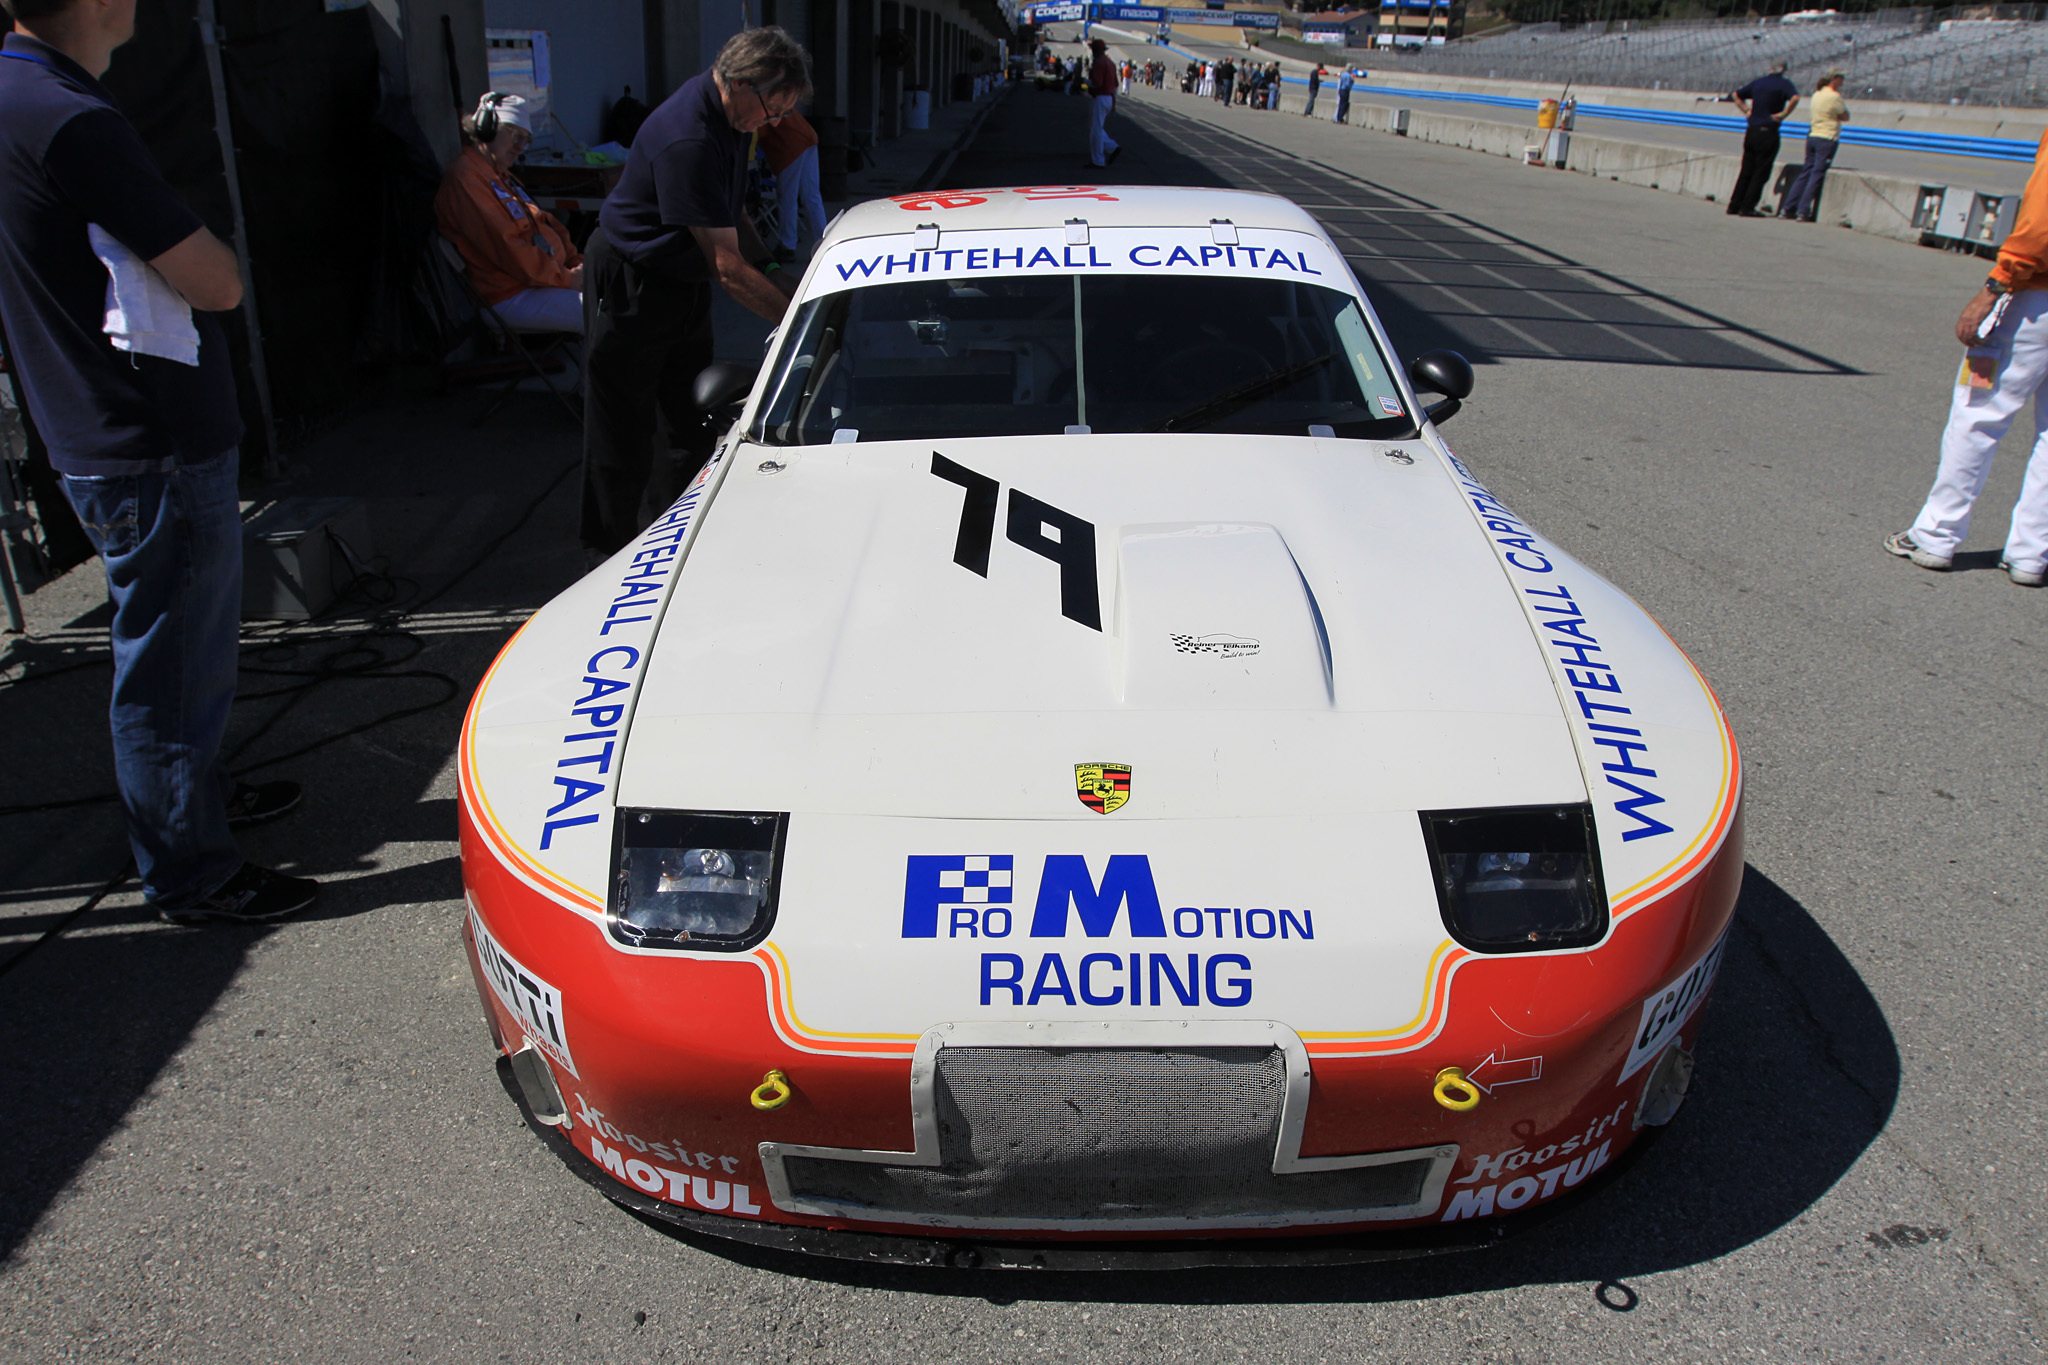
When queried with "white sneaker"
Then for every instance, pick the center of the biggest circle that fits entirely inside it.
(1901, 544)
(2026, 578)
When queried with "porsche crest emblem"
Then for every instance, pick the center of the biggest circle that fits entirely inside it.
(1102, 787)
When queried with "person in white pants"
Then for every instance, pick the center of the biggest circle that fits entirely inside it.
(2004, 329)
(1102, 148)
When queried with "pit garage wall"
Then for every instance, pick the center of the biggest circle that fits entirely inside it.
(340, 112)
(598, 47)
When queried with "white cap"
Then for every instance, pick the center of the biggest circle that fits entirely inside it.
(511, 109)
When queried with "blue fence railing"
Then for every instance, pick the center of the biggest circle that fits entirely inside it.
(1890, 139)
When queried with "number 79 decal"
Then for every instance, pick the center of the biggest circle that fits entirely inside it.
(1039, 527)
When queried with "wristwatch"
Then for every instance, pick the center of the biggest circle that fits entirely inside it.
(1995, 286)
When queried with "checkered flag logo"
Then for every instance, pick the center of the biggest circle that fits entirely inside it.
(946, 882)
(982, 879)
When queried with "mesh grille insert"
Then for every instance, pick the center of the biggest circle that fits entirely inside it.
(1104, 1133)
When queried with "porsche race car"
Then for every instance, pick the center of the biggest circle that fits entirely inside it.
(1086, 772)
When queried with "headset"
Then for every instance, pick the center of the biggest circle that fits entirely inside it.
(485, 120)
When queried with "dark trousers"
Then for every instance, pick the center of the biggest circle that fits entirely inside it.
(171, 542)
(1759, 159)
(645, 339)
(1802, 201)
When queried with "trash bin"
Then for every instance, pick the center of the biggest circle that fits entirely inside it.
(918, 116)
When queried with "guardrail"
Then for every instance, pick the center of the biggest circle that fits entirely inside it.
(1891, 139)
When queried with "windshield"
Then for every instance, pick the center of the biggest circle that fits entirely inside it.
(1046, 354)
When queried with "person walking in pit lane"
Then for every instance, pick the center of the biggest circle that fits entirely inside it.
(1102, 148)
(2004, 332)
(137, 406)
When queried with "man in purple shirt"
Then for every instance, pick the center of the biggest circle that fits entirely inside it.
(676, 223)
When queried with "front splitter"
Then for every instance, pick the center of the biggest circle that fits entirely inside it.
(963, 1253)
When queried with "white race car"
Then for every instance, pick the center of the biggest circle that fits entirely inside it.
(1086, 775)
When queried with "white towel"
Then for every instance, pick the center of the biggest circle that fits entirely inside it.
(144, 314)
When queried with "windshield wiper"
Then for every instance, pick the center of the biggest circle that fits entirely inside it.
(1244, 395)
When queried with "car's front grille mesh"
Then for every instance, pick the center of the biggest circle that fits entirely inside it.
(1104, 1134)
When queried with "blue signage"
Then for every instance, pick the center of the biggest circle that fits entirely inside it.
(1150, 14)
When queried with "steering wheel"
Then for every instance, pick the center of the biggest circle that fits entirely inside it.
(1203, 368)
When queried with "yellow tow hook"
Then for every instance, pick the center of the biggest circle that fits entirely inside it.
(1454, 1092)
(773, 1092)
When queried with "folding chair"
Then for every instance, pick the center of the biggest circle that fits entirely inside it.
(544, 348)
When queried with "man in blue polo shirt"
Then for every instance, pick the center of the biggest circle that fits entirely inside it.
(142, 426)
(676, 222)
(1765, 101)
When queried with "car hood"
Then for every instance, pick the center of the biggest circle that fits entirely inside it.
(946, 629)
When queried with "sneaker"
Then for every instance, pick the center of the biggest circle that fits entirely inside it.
(2026, 578)
(253, 804)
(1901, 544)
(254, 895)
(1110, 160)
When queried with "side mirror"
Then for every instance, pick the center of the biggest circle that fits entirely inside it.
(722, 385)
(1444, 372)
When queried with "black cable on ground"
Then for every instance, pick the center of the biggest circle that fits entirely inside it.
(368, 588)
(381, 591)
(70, 917)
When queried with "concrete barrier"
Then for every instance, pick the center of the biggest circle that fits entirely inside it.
(1880, 205)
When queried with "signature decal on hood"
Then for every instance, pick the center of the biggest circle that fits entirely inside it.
(1039, 527)
(1215, 646)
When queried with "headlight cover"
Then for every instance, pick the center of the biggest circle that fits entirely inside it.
(695, 880)
(1517, 879)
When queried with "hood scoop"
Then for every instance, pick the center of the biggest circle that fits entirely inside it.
(1216, 616)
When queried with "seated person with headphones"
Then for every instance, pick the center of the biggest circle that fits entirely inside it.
(521, 261)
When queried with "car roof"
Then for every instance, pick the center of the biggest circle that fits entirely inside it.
(1030, 206)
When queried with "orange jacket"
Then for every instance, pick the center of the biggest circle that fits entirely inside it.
(784, 142)
(510, 242)
(2023, 257)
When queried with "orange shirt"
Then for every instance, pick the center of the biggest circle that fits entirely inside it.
(510, 242)
(2023, 257)
(784, 142)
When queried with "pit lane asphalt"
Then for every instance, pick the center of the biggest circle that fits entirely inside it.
(241, 1146)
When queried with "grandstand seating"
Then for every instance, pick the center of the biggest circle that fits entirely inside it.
(1992, 62)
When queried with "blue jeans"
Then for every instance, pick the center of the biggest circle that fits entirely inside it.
(1803, 199)
(171, 543)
